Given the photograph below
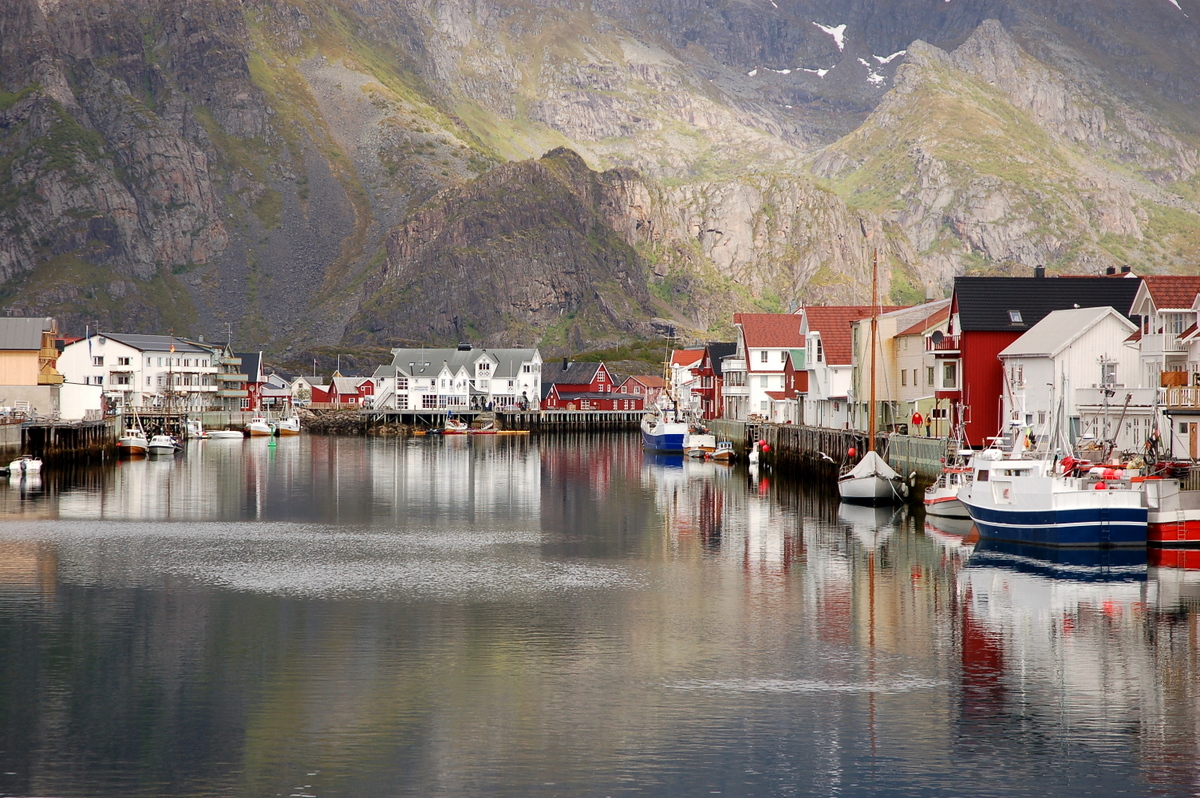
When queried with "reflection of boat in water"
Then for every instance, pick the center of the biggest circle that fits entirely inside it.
(1176, 573)
(1055, 562)
(871, 525)
(952, 533)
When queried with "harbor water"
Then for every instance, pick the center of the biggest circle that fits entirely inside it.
(520, 616)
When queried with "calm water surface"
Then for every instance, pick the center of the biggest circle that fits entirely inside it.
(514, 617)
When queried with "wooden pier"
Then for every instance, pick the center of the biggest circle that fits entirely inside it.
(63, 440)
(533, 421)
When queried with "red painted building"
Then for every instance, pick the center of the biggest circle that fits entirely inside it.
(709, 379)
(989, 313)
(582, 400)
(570, 386)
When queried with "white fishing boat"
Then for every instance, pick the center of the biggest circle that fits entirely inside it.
(663, 435)
(724, 453)
(288, 426)
(260, 427)
(225, 434)
(941, 498)
(133, 443)
(700, 444)
(871, 480)
(25, 464)
(195, 430)
(160, 445)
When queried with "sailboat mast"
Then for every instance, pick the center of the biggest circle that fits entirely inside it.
(874, 333)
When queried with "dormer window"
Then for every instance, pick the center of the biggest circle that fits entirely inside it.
(1014, 316)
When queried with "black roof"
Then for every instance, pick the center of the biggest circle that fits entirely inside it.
(575, 373)
(718, 351)
(985, 303)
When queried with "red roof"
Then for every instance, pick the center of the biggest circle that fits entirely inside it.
(778, 396)
(1172, 290)
(833, 322)
(770, 330)
(932, 320)
(686, 357)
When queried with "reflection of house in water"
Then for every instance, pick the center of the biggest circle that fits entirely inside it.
(28, 568)
(705, 511)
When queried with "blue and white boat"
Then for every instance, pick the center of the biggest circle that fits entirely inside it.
(659, 434)
(1028, 500)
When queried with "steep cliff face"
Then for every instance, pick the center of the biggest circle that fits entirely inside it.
(985, 155)
(524, 253)
(296, 170)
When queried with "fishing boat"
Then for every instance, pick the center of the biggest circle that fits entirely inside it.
(288, 426)
(941, 498)
(1043, 501)
(1172, 513)
(700, 444)
(225, 434)
(195, 430)
(456, 426)
(871, 480)
(260, 427)
(724, 453)
(663, 435)
(160, 445)
(133, 443)
(25, 464)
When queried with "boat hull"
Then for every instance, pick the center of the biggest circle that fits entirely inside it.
(225, 435)
(663, 442)
(945, 506)
(871, 489)
(1102, 525)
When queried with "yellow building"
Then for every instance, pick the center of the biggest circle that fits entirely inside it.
(27, 353)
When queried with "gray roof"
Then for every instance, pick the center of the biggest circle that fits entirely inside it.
(1059, 329)
(23, 333)
(153, 343)
(573, 373)
(251, 364)
(428, 362)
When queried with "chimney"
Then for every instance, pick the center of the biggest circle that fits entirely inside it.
(1126, 269)
(1111, 270)
(564, 364)
(1039, 271)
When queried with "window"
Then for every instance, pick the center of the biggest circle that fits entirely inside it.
(1014, 316)
(929, 375)
(402, 383)
(1041, 417)
(121, 379)
(763, 383)
(762, 356)
(904, 377)
(820, 351)
(764, 407)
(914, 378)
(97, 360)
(147, 382)
(122, 361)
(950, 374)
(1108, 373)
(149, 361)
(160, 361)
(245, 403)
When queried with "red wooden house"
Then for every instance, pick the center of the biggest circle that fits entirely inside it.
(648, 386)
(709, 379)
(989, 313)
(583, 386)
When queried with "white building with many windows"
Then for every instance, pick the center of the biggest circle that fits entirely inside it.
(459, 379)
(143, 370)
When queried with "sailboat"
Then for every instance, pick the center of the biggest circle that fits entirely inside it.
(872, 480)
(133, 442)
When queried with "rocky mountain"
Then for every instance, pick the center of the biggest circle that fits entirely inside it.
(303, 173)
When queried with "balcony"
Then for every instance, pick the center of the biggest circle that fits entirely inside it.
(230, 393)
(948, 345)
(1113, 397)
(728, 365)
(227, 361)
(1160, 344)
(735, 390)
(231, 377)
(1183, 398)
